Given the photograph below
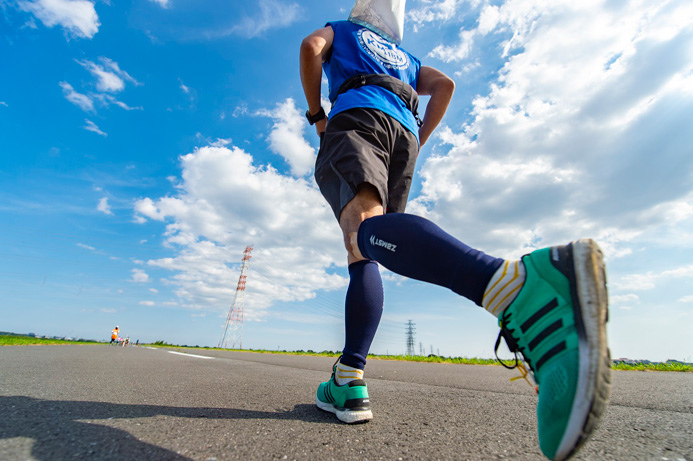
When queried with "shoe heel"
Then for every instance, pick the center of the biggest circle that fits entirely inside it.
(594, 384)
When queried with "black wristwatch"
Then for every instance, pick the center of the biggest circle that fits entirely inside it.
(317, 117)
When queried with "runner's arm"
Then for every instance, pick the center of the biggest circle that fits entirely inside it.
(440, 88)
(314, 50)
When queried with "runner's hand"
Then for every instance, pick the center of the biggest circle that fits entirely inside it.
(320, 126)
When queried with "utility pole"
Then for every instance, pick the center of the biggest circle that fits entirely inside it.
(233, 330)
(411, 328)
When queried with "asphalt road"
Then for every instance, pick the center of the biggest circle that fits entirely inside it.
(103, 402)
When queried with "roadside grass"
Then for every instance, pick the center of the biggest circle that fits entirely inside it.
(433, 358)
(405, 358)
(18, 340)
(654, 367)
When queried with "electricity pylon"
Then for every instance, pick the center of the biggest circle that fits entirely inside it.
(410, 337)
(233, 330)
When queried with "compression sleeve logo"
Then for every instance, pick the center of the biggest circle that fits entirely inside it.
(382, 243)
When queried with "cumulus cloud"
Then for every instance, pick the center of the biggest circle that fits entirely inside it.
(286, 138)
(139, 276)
(226, 202)
(104, 207)
(562, 145)
(78, 17)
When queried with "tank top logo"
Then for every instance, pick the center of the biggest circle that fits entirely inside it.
(381, 50)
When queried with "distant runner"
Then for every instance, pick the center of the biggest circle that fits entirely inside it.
(114, 335)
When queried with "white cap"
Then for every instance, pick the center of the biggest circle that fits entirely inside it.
(384, 17)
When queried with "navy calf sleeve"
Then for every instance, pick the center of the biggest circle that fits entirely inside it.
(415, 247)
(363, 309)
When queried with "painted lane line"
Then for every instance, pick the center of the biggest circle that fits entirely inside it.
(191, 355)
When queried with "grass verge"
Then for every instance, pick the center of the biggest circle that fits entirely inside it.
(435, 359)
(17, 340)
(654, 367)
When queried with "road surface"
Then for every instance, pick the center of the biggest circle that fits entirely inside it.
(107, 402)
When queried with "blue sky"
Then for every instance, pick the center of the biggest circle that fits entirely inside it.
(145, 143)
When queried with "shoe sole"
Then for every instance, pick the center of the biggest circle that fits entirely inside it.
(346, 416)
(594, 381)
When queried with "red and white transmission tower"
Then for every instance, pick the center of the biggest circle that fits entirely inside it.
(233, 331)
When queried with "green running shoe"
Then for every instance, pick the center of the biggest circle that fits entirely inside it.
(558, 324)
(349, 402)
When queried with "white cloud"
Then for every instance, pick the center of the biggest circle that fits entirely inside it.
(286, 137)
(189, 92)
(147, 303)
(240, 111)
(226, 202)
(578, 133)
(649, 280)
(109, 76)
(162, 3)
(273, 14)
(3, 103)
(624, 302)
(104, 207)
(441, 11)
(457, 52)
(107, 99)
(139, 276)
(91, 126)
(78, 17)
(80, 100)
(106, 81)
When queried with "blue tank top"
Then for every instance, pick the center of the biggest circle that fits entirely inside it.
(357, 50)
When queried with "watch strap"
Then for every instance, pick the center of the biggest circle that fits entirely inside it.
(315, 117)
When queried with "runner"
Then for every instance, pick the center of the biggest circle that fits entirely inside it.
(551, 304)
(114, 335)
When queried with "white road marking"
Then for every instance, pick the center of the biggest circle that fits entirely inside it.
(191, 355)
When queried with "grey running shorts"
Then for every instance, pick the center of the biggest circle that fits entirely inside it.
(366, 146)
